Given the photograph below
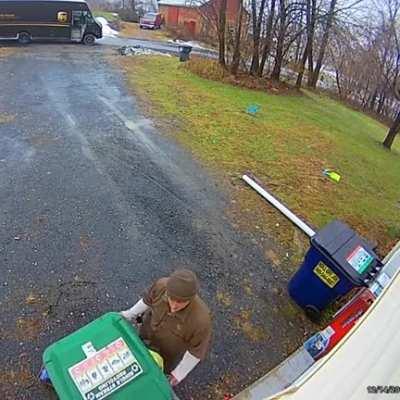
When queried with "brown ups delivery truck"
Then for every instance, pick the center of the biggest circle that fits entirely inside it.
(27, 20)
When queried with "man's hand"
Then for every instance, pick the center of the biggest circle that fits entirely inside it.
(172, 380)
(139, 308)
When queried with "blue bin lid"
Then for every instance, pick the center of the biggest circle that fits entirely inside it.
(348, 251)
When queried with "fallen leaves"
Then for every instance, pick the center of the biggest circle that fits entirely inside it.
(251, 331)
(6, 118)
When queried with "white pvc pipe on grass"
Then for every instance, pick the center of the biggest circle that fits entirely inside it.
(277, 204)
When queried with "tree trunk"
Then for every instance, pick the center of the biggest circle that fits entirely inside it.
(221, 32)
(381, 103)
(324, 43)
(364, 100)
(310, 38)
(238, 33)
(276, 73)
(311, 32)
(299, 40)
(372, 100)
(340, 93)
(393, 131)
(298, 50)
(268, 38)
(256, 35)
(302, 65)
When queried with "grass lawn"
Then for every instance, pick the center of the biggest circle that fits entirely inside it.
(287, 145)
(132, 30)
(109, 16)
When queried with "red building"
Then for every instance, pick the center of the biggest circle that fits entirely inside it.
(194, 16)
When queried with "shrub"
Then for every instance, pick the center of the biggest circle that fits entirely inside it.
(211, 69)
(206, 68)
(129, 15)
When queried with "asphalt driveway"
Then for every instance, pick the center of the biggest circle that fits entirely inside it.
(95, 204)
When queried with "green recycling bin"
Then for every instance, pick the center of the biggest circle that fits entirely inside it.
(105, 359)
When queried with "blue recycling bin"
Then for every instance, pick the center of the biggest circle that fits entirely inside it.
(337, 261)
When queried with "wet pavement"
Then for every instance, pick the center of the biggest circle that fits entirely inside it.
(95, 204)
(159, 46)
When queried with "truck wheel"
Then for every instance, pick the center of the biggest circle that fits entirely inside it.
(24, 38)
(89, 39)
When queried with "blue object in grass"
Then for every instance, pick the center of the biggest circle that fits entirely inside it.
(253, 109)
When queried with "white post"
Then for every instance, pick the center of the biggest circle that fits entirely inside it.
(277, 204)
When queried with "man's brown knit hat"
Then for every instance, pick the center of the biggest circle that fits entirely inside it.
(182, 285)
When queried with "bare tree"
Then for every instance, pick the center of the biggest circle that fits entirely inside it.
(393, 131)
(222, 32)
(257, 21)
(327, 29)
(276, 73)
(311, 6)
(268, 38)
(214, 18)
(238, 33)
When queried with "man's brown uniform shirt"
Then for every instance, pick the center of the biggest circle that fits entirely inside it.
(172, 334)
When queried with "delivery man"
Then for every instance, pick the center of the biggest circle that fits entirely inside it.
(176, 323)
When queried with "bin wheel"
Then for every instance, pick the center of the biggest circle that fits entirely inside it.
(313, 313)
(24, 38)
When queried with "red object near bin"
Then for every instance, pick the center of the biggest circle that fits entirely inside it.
(324, 341)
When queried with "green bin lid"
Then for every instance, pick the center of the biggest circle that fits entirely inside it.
(105, 359)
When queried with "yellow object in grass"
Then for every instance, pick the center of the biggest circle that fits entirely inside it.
(334, 176)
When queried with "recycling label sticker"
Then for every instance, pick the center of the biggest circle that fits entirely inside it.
(106, 371)
(359, 259)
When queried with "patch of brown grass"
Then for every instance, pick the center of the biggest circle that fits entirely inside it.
(13, 379)
(254, 214)
(28, 328)
(132, 30)
(251, 331)
(208, 69)
(33, 298)
(373, 230)
(250, 210)
(211, 69)
(5, 118)
(224, 298)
